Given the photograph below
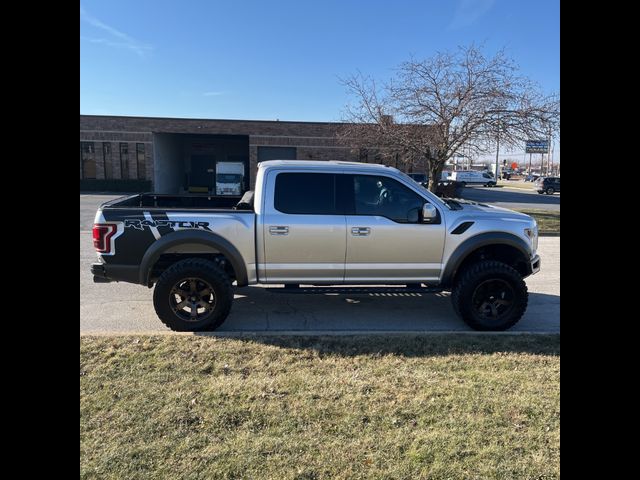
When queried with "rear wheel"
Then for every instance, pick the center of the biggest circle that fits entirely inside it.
(463, 184)
(550, 191)
(490, 295)
(193, 295)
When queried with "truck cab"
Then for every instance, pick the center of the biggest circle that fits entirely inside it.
(229, 178)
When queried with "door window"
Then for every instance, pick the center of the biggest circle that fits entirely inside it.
(386, 197)
(305, 193)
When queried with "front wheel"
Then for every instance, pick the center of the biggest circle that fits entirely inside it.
(550, 191)
(490, 295)
(463, 184)
(193, 295)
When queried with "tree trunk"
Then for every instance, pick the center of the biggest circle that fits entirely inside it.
(435, 170)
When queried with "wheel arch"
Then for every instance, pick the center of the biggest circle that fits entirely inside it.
(497, 245)
(186, 240)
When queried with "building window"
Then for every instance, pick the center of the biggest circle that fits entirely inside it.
(276, 153)
(87, 160)
(124, 161)
(108, 162)
(141, 162)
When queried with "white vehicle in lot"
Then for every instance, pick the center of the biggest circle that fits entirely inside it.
(229, 178)
(473, 178)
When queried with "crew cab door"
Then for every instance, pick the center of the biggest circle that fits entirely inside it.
(386, 239)
(304, 237)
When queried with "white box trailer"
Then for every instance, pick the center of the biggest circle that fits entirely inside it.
(229, 178)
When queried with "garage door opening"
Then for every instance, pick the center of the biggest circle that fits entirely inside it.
(207, 164)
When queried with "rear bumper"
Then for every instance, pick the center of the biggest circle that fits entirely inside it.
(105, 273)
(99, 273)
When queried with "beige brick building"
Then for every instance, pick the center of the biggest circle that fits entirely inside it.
(177, 154)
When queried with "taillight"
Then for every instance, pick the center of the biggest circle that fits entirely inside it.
(102, 233)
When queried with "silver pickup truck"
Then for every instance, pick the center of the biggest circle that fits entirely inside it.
(317, 223)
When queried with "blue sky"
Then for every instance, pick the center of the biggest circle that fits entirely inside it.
(282, 59)
(268, 60)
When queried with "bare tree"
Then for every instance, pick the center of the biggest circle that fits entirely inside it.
(434, 107)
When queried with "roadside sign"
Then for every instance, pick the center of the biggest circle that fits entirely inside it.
(514, 165)
(537, 146)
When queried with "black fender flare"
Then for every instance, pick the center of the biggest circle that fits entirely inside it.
(199, 237)
(471, 244)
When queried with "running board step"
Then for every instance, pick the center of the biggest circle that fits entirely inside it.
(353, 290)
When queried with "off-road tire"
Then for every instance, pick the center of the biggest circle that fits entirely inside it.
(466, 291)
(208, 276)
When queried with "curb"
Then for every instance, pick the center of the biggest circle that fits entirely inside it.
(312, 333)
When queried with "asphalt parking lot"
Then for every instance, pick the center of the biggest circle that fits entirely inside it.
(508, 197)
(122, 307)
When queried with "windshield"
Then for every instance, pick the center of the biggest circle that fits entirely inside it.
(228, 178)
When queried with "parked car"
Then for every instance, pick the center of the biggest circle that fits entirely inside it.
(473, 177)
(421, 178)
(445, 188)
(532, 177)
(548, 185)
(317, 223)
(449, 189)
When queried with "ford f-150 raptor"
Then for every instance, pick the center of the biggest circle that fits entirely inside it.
(317, 223)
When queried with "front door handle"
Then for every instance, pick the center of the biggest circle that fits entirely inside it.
(279, 230)
(360, 231)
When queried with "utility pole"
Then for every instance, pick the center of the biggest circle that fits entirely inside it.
(549, 159)
(497, 151)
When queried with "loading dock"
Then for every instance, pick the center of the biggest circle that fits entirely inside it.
(187, 163)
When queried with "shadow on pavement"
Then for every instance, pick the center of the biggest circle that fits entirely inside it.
(283, 319)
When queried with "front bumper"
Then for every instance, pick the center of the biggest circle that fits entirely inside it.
(535, 264)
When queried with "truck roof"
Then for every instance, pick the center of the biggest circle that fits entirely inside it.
(324, 164)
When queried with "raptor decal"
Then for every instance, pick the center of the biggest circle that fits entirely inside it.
(173, 224)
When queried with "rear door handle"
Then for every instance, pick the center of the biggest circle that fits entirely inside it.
(279, 230)
(360, 231)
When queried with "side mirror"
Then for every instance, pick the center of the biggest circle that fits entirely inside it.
(429, 213)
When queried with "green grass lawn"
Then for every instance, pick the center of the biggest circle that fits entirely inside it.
(405, 407)
(548, 221)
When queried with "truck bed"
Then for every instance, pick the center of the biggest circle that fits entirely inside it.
(186, 201)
